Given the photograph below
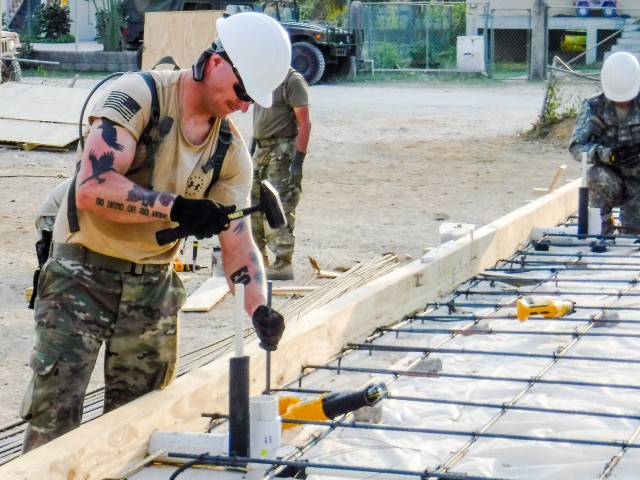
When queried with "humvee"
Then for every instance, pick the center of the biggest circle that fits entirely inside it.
(10, 67)
(318, 50)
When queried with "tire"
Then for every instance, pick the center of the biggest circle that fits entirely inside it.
(582, 9)
(11, 71)
(307, 59)
(344, 70)
(608, 9)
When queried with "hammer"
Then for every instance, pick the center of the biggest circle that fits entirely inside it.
(269, 204)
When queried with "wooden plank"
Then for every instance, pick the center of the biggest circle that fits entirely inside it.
(204, 298)
(42, 103)
(196, 30)
(37, 133)
(108, 445)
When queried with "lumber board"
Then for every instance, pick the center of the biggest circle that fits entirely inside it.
(196, 30)
(108, 445)
(41, 115)
(207, 295)
(42, 103)
(37, 133)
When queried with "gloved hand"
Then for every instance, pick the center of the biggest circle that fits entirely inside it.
(269, 326)
(201, 218)
(295, 169)
(604, 155)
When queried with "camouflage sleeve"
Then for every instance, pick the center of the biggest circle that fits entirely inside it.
(579, 142)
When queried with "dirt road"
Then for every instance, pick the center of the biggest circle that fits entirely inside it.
(387, 164)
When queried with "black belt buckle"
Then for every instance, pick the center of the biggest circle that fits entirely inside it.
(136, 268)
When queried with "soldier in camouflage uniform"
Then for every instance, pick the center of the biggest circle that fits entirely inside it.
(608, 130)
(110, 282)
(281, 134)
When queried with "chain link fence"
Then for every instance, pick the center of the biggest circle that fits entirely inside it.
(412, 35)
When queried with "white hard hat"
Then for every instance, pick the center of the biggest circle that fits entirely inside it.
(260, 50)
(620, 77)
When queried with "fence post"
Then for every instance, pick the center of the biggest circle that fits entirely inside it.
(538, 70)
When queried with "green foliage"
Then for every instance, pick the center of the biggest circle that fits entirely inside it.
(386, 55)
(26, 50)
(553, 113)
(109, 24)
(54, 21)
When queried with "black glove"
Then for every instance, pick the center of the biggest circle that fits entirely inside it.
(201, 218)
(269, 326)
(295, 169)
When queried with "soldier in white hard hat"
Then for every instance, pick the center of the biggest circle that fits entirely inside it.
(108, 280)
(608, 129)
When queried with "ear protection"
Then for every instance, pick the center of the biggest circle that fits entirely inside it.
(201, 63)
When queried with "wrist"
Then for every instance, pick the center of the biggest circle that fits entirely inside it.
(299, 156)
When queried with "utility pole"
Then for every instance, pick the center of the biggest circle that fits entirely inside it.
(538, 65)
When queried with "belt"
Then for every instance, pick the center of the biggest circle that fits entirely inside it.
(85, 256)
(268, 142)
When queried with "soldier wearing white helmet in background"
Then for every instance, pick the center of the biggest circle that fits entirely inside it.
(608, 129)
(108, 280)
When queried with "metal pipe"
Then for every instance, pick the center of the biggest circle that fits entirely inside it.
(222, 461)
(410, 373)
(440, 431)
(463, 351)
(490, 331)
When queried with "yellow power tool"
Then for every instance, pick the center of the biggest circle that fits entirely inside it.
(547, 307)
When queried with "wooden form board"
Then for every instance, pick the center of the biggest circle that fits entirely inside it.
(204, 298)
(181, 35)
(110, 444)
(41, 114)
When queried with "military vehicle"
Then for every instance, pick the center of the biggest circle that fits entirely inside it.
(10, 67)
(319, 51)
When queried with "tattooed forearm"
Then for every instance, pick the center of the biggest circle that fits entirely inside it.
(145, 212)
(241, 276)
(148, 197)
(241, 227)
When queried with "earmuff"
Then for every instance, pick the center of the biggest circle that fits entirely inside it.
(201, 63)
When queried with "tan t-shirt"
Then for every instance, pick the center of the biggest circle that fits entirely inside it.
(178, 169)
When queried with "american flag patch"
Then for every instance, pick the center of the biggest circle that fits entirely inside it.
(123, 104)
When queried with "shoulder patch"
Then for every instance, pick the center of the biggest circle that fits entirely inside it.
(124, 104)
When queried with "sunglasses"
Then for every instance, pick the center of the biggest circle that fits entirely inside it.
(241, 92)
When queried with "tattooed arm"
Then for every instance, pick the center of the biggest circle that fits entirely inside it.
(102, 188)
(243, 264)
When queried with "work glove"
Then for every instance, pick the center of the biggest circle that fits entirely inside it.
(269, 326)
(295, 169)
(604, 155)
(201, 218)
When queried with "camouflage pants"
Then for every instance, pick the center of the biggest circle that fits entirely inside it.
(80, 307)
(609, 188)
(272, 163)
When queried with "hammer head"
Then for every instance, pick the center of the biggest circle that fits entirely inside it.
(271, 205)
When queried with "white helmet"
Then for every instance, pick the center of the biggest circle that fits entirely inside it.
(620, 77)
(260, 50)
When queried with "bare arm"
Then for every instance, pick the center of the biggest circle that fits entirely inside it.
(102, 188)
(303, 119)
(243, 264)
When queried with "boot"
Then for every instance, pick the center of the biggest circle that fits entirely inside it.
(281, 270)
(608, 225)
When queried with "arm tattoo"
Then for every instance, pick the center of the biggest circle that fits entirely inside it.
(110, 135)
(241, 276)
(148, 197)
(100, 165)
(240, 227)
